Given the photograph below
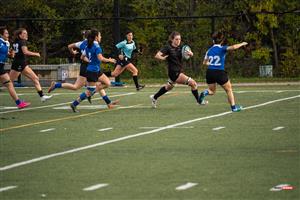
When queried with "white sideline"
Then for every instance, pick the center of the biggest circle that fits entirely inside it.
(18, 164)
(278, 128)
(218, 128)
(59, 104)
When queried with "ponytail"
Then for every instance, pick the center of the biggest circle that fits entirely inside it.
(91, 37)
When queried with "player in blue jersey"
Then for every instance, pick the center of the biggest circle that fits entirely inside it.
(95, 78)
(20, 62)
(4, 77)
(81, 79)
(172, 53)
(216, 74)
(126, 48)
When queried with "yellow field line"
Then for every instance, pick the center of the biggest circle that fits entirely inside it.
(60, 119)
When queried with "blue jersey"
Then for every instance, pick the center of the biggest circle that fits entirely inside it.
(126, 48)
(81, 45)
(92, 54)
(4, 47)
(216, 56)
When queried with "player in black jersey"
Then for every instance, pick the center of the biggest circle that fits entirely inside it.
(172, 52)
(20, 62)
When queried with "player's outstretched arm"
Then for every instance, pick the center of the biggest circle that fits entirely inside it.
(236, 46)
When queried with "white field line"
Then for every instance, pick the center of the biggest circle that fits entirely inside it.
(105, 129)
(59, 104)
(27, 162)
(47, 130)
(95, 187)
(278, 128)
(7, 188)
(218, 128)
(186, 186)
(146, 127)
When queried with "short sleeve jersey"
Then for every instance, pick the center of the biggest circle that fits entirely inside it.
(126, 48)
(216, 56)
(4, 47)
(81, 45)
(92, 54)
(174, 58)
(19, 55)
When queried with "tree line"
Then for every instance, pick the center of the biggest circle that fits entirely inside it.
(271, 27)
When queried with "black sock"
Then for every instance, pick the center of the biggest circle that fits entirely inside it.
(40, 93)
(135, 79)
(196, 94)
(160, 92)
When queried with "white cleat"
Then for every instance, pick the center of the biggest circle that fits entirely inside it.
(45, 98)
(203, 103)
(153, 101)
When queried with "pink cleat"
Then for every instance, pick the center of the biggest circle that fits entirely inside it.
(23, 104)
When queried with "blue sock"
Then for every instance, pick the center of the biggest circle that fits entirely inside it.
(233, 107)
(57, 85)
(18, 101)
(106, 99)
(75, 103)
(82, 96)
(205, 92)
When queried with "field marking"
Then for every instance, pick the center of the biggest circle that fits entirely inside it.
(47, 130)
(27, 162)
(278, 128)
(8, 188)
(82, 107)
(65, 118)
(95, 187)
(218, 128)
(105, 129)
(59, 104)
(186, 186)
(146, 127)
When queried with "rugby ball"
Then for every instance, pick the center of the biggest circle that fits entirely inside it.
(184, 51)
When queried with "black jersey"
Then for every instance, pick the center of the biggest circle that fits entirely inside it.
(174, 58)
(19, 55)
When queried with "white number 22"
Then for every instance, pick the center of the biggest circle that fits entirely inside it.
(214, 60)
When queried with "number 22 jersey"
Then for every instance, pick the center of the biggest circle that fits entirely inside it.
(216, 57)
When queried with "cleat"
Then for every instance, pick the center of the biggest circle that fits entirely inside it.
(201, 99)
(52, 87)
(237, 109)
(45, 98)
(89, 99)
(203, 103)
(140, 87)
(23, 104)
(113, 104)
(73, 108)
(153, 101)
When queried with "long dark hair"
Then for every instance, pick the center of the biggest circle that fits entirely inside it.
(18, 32)
(2, 29)
(172, 36)
(91, 37)
(218, 37)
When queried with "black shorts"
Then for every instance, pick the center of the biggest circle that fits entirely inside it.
(83, 67)
(216, 76)
(19, 66)
(2, 71)
(123, 62)
(92, 76)
(173, 75)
